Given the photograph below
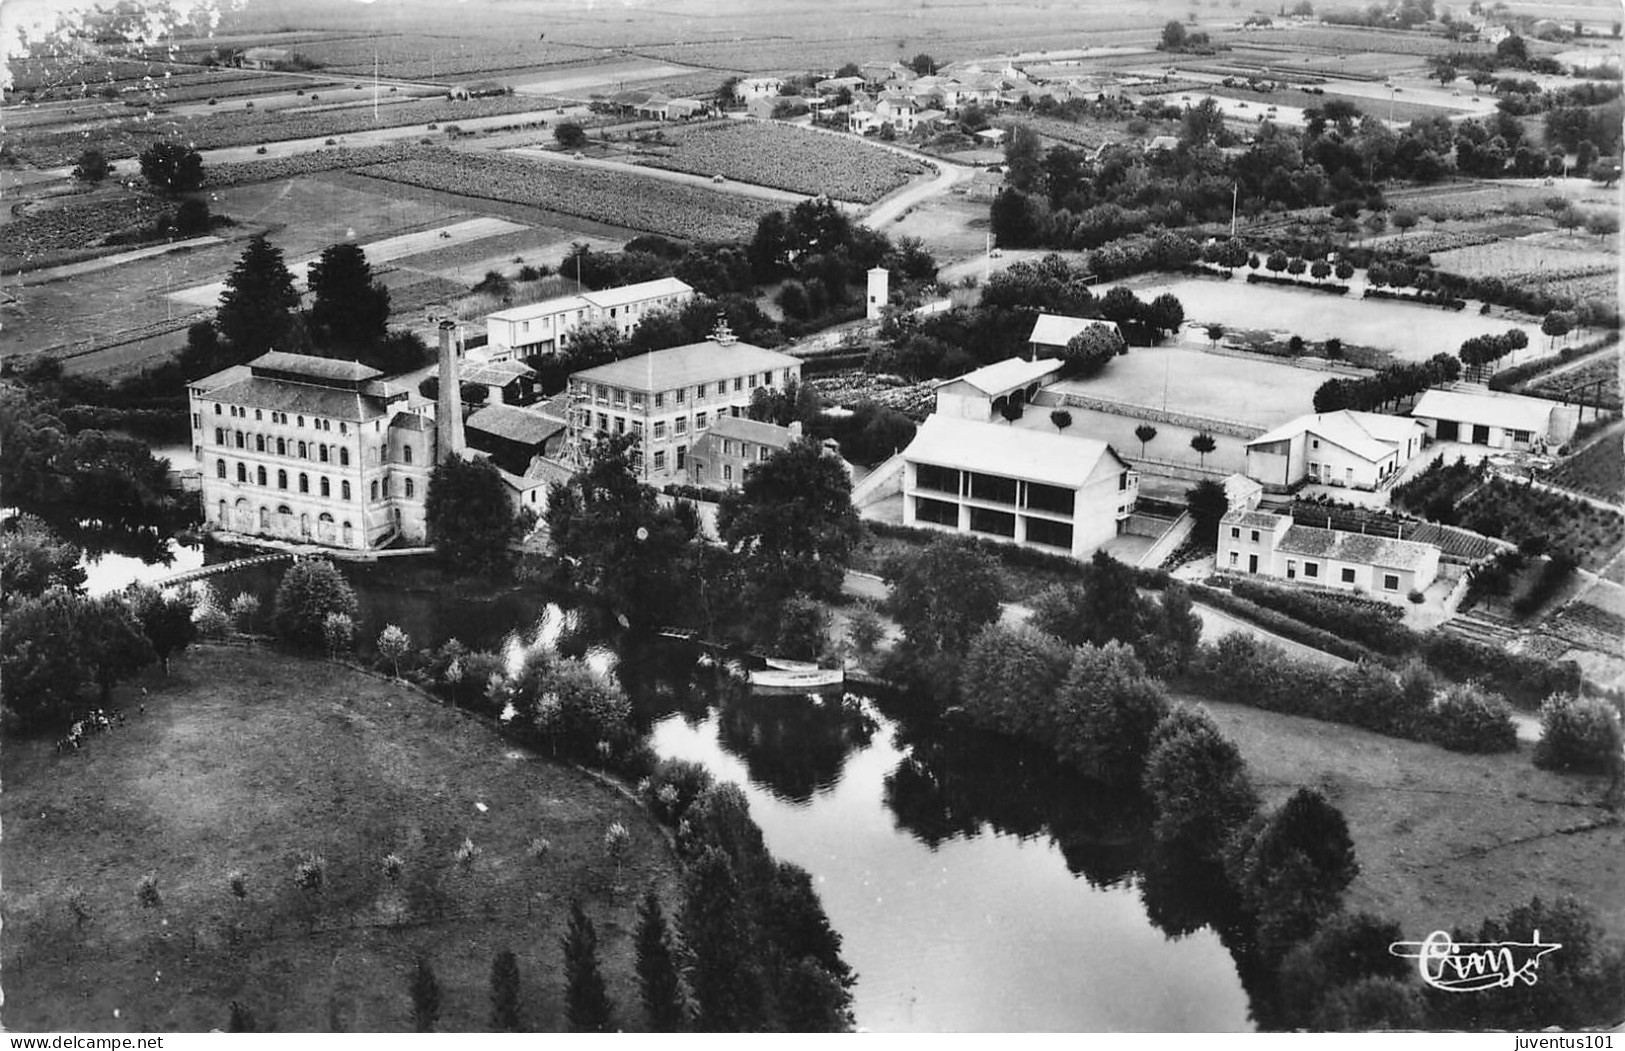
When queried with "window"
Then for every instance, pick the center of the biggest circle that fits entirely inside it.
(375, 489)
(238, 438)
(282, 479)
(1255, 536)
(751, 379)
(301, 420)
(1050, 534)
(259, 475)
(767, 379)
(344, 457)
(739, 383)
(344, 428)
(326, 487)
(242, 472)
(762, 452)
(996, 523)
(1521, 436)
(1348, 576)
(197, 421)
(321, 453)
(259, 443)
(1235, 558)
(660, 401)
(220, 469)
(682, 456)
(219, 436)
(727, 472)
(410, 489)
(1311, 569)
(939, 479)
(1055, 499)
(1122, 481)
(993, 487)
(281, 447)
(681, 391)
(304, 483)
(344, 490)
(620, 425)
(660, 432)
(1390, 582)
(217, 408)
(938, 512)
(304, 451)
(699, 421)
(660, 458)
(1235, 534)
(680, 425)
(258, 415)
(1314, 443)
(406, 453)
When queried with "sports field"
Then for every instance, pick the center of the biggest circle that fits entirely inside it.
(1181, 379)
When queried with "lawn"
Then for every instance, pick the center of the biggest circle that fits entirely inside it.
(246, 760)
(1443, 839)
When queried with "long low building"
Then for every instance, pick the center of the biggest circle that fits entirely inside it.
(544, 328)
(1254, 542)
(1016, 484)
(1500, 421)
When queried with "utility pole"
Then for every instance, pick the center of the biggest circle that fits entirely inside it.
(1235, 196)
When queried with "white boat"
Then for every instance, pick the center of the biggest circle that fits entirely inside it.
(807, 677)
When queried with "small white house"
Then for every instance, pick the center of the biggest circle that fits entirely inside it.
(1360, 450)
(1255, 543)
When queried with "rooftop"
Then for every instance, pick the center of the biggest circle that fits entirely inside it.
(277, 395)
(1253, 519)
(1057, 330)
(614, 297)
(532, 311)
(1495, 410)
(494, 373)
(313, 368)
(515, 424)
(1368, 435)
(1007, 375)
(746, 429)
(687, 365)
(998, 448)
(1362, 548)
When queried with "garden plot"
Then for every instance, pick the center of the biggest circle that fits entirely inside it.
(1408, 331)
(378, 252)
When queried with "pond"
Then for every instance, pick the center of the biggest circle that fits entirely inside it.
(975, 887)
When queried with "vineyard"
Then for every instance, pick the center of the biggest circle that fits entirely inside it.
(1516, 512)
(1598, 470)
(73, 226)
(242, 127)
(786, 158)
(1580, 380)
(621, 199)
(419, 57)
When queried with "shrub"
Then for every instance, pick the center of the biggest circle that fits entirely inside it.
(1522, 680)
(803, 632)
(146, 892)
(570, 707)
(1466, 719)
(393, 646)
(310, 590)
(1198, 785)
(673, 786)
(1370, 622)
(1579, 735)
(1009, 680)
(865, 629)
(338, 632)
(245, 611)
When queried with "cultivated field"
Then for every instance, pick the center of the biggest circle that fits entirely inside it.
(1583, 382)
(621, 199)
(1599, 469)
(784, 157)
(249, 760)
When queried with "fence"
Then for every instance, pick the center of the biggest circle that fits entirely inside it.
(1210, 424)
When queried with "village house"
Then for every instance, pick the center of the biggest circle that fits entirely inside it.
(1500, 421)
(524, 444)
(505, 382)
(1257, 543)
(544, 328)
(1052, 332)
(1359, 450)
(983, 394)
(1016, 485)
(671, 397)
(733, 444)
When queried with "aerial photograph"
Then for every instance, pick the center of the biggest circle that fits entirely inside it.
(681, 516)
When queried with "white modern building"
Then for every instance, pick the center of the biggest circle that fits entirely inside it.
(1500, 421)
(314, 450)
(1256, 543)
(983, 393)
(1359, 450)
(1017, 485)
(544, 328)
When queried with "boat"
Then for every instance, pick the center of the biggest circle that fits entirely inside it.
(799, 680)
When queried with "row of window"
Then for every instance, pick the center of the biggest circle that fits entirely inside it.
(618, 397)
(743, 450)
(327, 530)
(324, 486)
(994, 523)
(302, 450)
(608, 424)
(1311, 571)
(1035, 496)
(241, 412)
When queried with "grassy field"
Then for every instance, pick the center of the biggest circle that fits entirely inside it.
(246, 760)
(1443, 839)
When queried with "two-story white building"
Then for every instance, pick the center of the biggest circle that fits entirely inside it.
(1017, 485)
(544, 328)
(671, 397)
(312, 449)
(1359, 450)
(1256, 543)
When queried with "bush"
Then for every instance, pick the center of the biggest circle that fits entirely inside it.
(673, 786)
(1370, 622)
(1466, 719)
(1522, 680)
(310, 590)
(803, 632)
(1579, 735)
(1308, 286)
(1554, 573)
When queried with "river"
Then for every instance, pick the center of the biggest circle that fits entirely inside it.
(976, 888)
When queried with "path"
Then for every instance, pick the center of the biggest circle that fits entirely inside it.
(90, 266)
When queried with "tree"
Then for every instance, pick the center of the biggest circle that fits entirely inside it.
(1090, 350)
(256, 309)
(165, 619)
(1602, 224)
(393, 645)
(1579, 734)
(1145, 432)
(573, 136)
(1108, 708)
(112, 643)
(659, 982)
(1215, 332)
(1173, 37)
(1166, 313)
(1557, 323)
(1198, 785)
(471, 520)
(943, 595)
(172, 167)
(1344, 270)
(1203, 444)
(1320, 270)
(587, 1007)
(792, 522)
(923, 65)
(348, 308)
(1207, 504)
(1333, 348)
(1061, 418)
(505, 992)
(42, 668)
(1103, 606)
(1276, 262)
(33, 559)
(725, 972)
(1291, 868)
(424, 989)
(192, 217)
(92, 167)
(311, 588)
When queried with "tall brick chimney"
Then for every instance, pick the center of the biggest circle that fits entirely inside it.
(449, 409)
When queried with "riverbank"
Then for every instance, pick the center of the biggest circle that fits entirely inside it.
(249, 760)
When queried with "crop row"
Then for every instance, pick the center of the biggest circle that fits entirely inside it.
(241, 127)
(620, 199)
(325, 160)
(787, 158)
(62, 75)
(411, 56)
(74, 225)
(1584, 379)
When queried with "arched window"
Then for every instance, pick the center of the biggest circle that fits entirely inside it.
(219, 434)
(321, 451)
(304, 452)
(349, 534)
(259, 443)
(326, 487)
(265, 519)
(222, 518)
(281, 447)
(239, 438)
(409, 488)
(242, 472)
(344, 490)
(344, 456)
(301, 420)
(282, 479)
(406, 453)
(259, 475)
(304, 483)
(375, 489)
(220, 469)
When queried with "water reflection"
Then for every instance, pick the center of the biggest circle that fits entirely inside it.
(794, 745)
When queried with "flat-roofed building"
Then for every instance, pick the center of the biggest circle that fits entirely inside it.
(1257, 543)
(1015, 484)
(315, 450)
(544, 328)
(671, 397)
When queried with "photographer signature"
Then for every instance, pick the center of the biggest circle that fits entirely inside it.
(1468, 967)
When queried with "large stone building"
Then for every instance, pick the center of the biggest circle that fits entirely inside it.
(671, 397)
(314, 450)
(1016, 484)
